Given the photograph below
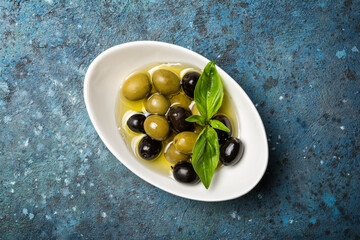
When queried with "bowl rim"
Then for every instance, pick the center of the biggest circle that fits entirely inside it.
(91, 112)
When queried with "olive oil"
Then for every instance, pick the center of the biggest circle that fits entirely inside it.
(126, 108)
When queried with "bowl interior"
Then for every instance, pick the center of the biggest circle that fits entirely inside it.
(102, 83)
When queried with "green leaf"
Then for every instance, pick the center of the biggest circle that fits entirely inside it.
(209, 92)
(196, 118)
(205, 156)
(219, 125)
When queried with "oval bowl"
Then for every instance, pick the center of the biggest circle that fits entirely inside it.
(102, 83)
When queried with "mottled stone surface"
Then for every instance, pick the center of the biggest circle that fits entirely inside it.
(298, 61)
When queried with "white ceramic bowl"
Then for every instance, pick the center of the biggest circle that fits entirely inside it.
(101, 86)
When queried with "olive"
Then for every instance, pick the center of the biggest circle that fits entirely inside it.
(185, 141)
(198, 129)
(166, 82)
(149, 148)
(136, 87)
(189, 81)
(231, 152)
(173, 156)
(136, 123)
(195, 110)
(157, 104)
(157, 127)
(184, 172)
(222, 135)
(177, 116)
(181, 100)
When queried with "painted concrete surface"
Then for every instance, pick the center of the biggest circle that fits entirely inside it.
(299, 62)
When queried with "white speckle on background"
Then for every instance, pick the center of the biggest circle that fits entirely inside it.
(341, 54)
(27, 171)
(12, 190)
(26, 142)
(219, 56)
(12, 183)
(344, 100)
(291, 221)
(355, 49)
(103, 214)
(342, 128)
(49, 1)
(25, 211)
(73, 100)
(250, 220)
(83, 192)
(233, 214)
(91, 184)
(66, 181)
(31, 216)
(281, 98)
(259, 196)
(74, 208)
(321, 162)
(47, 217)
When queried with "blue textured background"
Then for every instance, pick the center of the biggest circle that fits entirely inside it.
(298, 61)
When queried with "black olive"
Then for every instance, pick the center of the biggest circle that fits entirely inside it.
(177, 116)
(185, 173)
(149, 148)
(189, 81)
(136, 123)
(231, 152)
(222, 135)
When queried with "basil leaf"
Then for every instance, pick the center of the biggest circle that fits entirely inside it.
(205, 156)
(209, 92)
(219, 125)
(196, 118)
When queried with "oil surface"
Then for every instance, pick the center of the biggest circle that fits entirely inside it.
(125, 108)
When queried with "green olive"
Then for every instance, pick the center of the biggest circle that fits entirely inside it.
(181, 100)
(166, 82)
(136, 87)
(157, 104)
(173, 156)
(185, 141)
(157, 127)
(195, 110)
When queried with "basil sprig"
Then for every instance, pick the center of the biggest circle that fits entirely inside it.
(208, 96)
